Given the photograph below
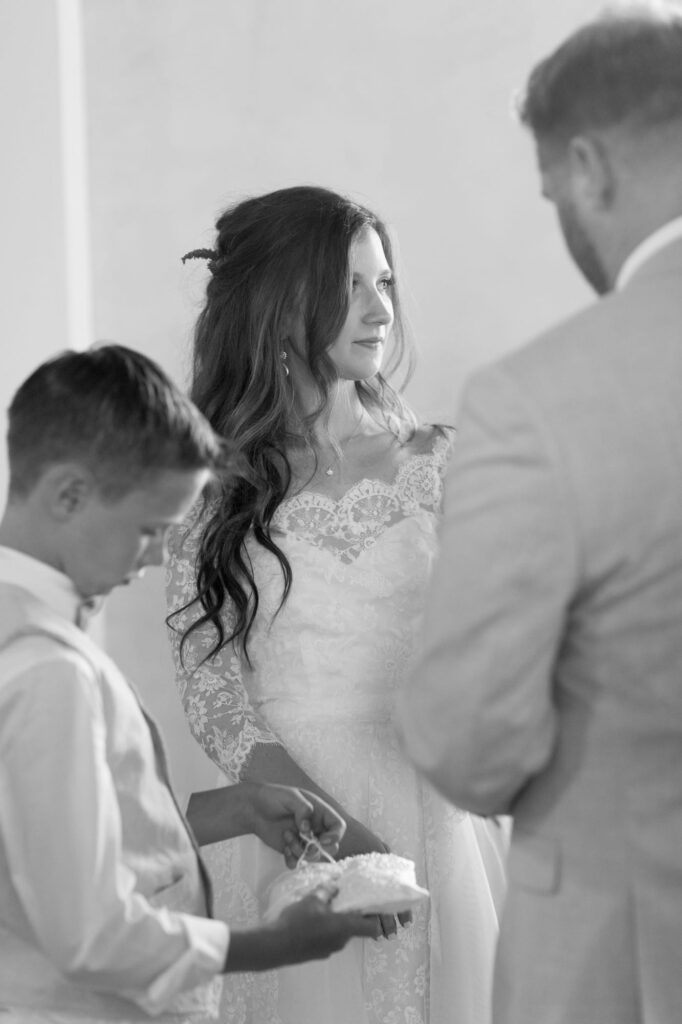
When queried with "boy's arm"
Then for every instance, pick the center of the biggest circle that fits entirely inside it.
(308, 930)
(60, 827)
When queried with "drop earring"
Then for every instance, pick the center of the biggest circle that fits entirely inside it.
(283, 357)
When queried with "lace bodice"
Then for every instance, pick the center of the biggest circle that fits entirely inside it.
(341, 642)
(353, 524)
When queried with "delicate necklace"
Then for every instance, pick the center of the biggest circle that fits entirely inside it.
(338, 452)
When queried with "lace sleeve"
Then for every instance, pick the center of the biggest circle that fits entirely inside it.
(212, 691)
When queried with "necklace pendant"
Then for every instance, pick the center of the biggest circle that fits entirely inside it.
(329, 472)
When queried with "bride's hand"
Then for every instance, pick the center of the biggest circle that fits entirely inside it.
(359, 839)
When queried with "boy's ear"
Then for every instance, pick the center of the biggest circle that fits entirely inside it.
(67, 488)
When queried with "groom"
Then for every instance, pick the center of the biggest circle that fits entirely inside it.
(550, 686)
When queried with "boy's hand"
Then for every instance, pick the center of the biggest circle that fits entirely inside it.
(314, 931)
(280, 813)
(308, 930)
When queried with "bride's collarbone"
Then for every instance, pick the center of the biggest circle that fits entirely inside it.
(375, 457)
(337, 484)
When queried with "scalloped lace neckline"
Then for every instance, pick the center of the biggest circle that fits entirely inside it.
(367, 486)
(353, 523)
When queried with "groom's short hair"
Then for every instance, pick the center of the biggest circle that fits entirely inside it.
(113, 410)
(624, 68)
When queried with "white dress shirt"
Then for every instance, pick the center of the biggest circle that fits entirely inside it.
(651, 245)
(81, 877)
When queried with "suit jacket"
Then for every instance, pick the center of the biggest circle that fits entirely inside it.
(551, 680)
(157, 853)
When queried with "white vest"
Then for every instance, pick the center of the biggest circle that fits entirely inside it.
(147, 808)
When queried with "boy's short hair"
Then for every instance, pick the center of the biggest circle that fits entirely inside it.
(113, 410)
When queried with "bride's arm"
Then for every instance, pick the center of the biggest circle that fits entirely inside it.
(272, 763)
(217, 706)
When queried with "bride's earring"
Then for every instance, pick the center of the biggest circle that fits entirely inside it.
(283, 357)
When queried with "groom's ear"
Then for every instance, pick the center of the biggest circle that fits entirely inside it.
(592, 172)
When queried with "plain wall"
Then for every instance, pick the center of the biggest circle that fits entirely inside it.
(193, 104)
(34, 316)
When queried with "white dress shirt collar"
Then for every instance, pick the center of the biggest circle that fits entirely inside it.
(42, 581)
(670, 232)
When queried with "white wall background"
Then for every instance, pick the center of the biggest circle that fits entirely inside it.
(193, 104)
(43, 193)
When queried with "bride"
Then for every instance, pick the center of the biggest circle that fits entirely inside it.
(295, 594)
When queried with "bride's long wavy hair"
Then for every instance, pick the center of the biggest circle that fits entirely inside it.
(276, 257)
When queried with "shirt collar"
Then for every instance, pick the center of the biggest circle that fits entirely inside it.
(664, 236)
(49, 585)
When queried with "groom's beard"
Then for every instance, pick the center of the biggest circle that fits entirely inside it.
(582, 250)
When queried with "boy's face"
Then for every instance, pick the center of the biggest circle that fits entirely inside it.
(112, 542)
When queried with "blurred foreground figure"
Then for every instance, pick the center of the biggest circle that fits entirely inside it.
(550, 686)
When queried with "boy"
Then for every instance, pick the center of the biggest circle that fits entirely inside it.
(104, 903)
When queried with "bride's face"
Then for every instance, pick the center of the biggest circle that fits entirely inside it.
(358, 351)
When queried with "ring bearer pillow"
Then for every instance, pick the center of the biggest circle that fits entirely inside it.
(372, 883)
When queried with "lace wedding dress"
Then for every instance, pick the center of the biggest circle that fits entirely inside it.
(325, 669)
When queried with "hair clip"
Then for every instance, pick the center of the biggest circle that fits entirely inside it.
(213, 258)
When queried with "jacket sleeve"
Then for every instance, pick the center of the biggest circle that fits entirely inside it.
(214, 696)
(477, 714)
